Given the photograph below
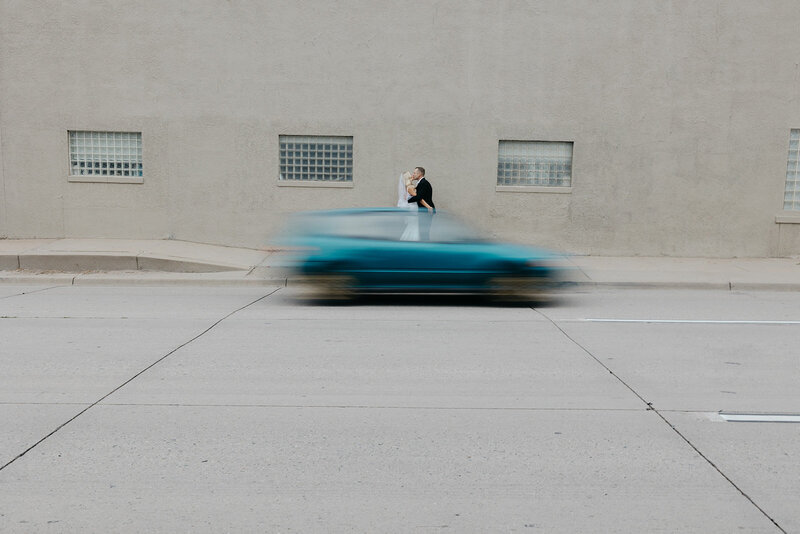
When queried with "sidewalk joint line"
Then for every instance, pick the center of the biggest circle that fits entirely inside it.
(664, 419)
(580, 269)
(131, 379)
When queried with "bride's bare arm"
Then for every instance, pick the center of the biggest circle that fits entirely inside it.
(411, 190)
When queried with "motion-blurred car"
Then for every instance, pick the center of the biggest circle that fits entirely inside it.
(345, 252)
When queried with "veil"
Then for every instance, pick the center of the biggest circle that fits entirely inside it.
(402, 194)
(411, 230)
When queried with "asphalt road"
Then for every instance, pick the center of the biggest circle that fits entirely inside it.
(199, 409)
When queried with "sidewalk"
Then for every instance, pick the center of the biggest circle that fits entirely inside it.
(168, 262)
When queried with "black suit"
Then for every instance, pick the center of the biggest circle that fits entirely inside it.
(424, 192)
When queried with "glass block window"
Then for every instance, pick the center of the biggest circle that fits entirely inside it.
(791, 194)
(534, 163)
(105, 153)
(316, 158)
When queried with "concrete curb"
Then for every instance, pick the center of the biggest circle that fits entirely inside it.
(725, 286)
(79, 262)
(137, 278)
(241, 278)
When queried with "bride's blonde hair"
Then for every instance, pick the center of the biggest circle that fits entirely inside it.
(407, 178)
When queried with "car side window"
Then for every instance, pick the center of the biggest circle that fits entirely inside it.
(446, 229)
(376, 226)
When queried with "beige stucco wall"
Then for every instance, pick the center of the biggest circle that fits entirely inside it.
(679, 112)
(4, 213)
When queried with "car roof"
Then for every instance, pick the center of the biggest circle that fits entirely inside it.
(353, 211)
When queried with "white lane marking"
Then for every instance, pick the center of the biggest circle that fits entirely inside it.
(760, 418)
(685, 321)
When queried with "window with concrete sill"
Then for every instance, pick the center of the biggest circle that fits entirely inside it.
(534, 166)
(105, 157)
(316, 161)
(791, 191)
(533, 189)
(788, 217)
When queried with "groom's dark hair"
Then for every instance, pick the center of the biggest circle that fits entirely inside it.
(421, 170)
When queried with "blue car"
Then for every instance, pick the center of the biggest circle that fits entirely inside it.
(387, 250)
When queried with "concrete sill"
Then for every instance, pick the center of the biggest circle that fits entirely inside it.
(105, 179)
(532, 189)
(314, 183)
(787, 217)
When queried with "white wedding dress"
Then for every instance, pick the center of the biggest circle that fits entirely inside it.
(411, 231)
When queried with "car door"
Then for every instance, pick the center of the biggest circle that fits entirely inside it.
(451, 260)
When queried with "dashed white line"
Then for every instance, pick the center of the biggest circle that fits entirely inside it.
(760, 418)
(685, 321)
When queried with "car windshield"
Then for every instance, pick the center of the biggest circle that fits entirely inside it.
(382, 225)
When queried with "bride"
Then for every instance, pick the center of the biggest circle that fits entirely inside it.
(405, 190)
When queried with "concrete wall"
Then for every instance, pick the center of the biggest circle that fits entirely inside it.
(3, 209)
(679, 112)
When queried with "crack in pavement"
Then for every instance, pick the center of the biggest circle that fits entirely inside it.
(30, 292)
(131, 379)
(663, 418)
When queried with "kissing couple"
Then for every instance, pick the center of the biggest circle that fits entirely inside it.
(414, 191)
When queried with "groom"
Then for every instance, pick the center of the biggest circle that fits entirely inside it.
(424, 200)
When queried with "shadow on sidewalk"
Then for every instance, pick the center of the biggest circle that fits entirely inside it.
(446, 300)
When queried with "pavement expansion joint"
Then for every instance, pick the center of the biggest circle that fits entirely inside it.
(131, 379)
(663, 418)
